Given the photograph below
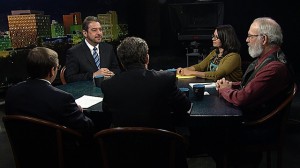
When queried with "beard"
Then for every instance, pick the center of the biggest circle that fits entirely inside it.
(255, 50)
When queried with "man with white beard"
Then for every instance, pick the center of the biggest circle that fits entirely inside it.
(265, 83)
(267, 77)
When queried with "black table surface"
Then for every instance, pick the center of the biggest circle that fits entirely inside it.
(210, 106)
(78, 89)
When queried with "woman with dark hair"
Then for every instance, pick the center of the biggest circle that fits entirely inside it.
(223, 61)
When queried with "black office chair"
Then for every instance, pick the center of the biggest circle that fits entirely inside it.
(38, 143)
(137, 147)
(280, 114)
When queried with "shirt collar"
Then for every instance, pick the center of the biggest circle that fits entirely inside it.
(45, 80)
(263, 57)
(90, 46)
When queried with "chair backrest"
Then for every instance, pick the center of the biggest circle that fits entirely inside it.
(62, 75)
(40, 143)
(283, 108)
(272, 139)
(137, 147)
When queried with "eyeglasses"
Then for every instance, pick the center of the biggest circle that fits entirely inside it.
(253, 35)
(214, 37)
(58, 67)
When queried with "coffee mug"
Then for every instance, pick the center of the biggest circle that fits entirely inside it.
(198, 90)
(185, 91)
(172, 70)
(98, 80)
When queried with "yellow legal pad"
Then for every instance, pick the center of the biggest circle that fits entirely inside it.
(185, 77)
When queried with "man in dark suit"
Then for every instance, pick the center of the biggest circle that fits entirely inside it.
(38, 98)
(142, 97)
(91, 57)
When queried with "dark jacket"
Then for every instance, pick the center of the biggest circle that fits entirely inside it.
(40, 99)
(80, 64)
(140, 97)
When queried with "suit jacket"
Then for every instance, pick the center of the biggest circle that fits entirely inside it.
(141, 97)
(38, 98)
(80, 64)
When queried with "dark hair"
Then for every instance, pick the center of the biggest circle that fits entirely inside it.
(87, 21)
(132, 50)
(229, 39)
(39, 62)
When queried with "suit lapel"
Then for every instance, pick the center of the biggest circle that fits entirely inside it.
(88, 55)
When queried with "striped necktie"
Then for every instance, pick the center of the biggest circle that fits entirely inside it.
(96, 57)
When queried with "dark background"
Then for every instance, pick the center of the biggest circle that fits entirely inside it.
(149, 19)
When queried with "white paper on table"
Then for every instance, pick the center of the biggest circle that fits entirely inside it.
(207, 85)
(88, 101)
(190, 110)
(206, 93)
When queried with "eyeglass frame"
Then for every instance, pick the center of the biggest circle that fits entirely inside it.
(214, 37)
(58, 67)
(254, 35)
